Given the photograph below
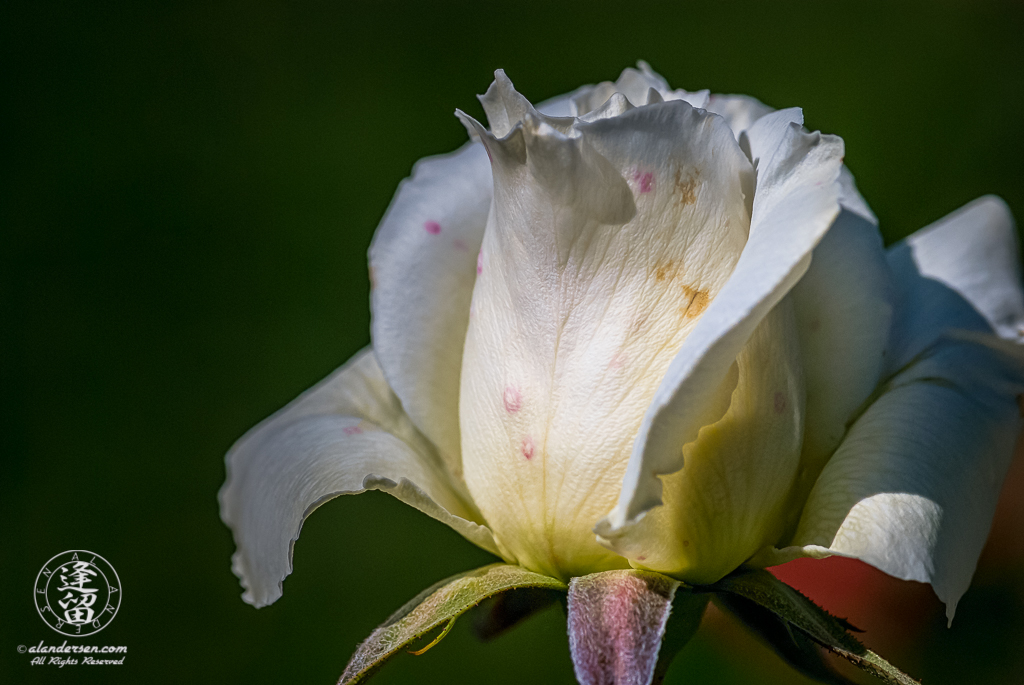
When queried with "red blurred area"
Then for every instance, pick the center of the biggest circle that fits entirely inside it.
(904, 621)
(894, 612)
(891, 611)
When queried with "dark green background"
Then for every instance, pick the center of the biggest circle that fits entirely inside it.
(188, 193)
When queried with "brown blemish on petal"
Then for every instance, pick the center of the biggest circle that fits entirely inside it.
(686, 188)
(698, 302)
(373, 278)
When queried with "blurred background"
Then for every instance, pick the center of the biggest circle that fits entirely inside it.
(188, 193)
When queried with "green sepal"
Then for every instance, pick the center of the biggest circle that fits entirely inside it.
(438, 605)
(800, 617)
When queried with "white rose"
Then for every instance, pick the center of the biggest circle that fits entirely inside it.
(658, 329)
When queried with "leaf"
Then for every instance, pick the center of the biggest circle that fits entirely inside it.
(791, 644)
(438, 605)
(617, 621)
(797, 611)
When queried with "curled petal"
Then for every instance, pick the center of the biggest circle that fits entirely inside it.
(344, 436)
(795, 202)
(637, 87)
(733, 494)
(960, 272)
(741, 111)
(913, 487)
(505, 107)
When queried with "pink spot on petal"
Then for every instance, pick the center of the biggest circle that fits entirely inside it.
(351, 430)
(646, 182)
(513, 399)
(641, 558)
(480, 262)
(779, 402)
(460, 245)
(432, 227)
(527, 447)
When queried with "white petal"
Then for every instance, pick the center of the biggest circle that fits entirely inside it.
(960, 273)
(844, 307)
(974, 251)
(851, 199)
(641, 86)
(740, 111)
(423, 264)
(344, 436)
(603, 247)
(795, 202)
(505, 107)
(733, 495)
(914, 485)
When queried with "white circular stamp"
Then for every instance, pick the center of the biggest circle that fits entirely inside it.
(77, 593)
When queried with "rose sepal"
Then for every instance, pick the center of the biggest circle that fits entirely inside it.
(626, 626)
(797, 629)
(438, 607)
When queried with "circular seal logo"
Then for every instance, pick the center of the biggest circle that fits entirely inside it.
(77, 593)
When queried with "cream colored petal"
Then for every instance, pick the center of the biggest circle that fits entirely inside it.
(795, 202)
(733, 494)
(344, 436)
(603, 248)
